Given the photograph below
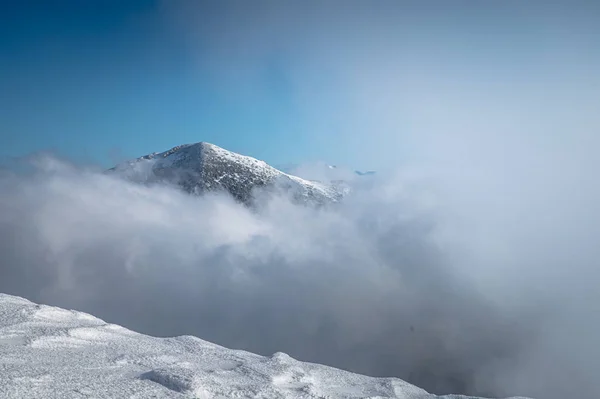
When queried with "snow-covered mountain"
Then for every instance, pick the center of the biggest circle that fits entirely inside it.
(202, 167)
(48, 352)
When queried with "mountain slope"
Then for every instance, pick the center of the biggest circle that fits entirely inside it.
(48, 352)
(203, 167)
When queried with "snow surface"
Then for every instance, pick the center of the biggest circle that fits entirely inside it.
(48, 352)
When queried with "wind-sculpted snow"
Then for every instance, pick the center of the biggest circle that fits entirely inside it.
(48, 352)
(205, 167)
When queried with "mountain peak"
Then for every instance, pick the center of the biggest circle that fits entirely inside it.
(202, 167)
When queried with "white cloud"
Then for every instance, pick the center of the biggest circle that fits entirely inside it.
(409, 277)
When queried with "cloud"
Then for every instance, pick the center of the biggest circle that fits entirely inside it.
(396, 281)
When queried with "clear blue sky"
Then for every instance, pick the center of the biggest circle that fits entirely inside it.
(364, 84)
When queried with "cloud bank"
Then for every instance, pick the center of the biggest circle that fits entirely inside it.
(406, 278)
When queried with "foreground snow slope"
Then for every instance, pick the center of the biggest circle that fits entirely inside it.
(48, 352)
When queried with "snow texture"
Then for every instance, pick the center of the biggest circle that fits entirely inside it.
(204, 167)
(48, 352)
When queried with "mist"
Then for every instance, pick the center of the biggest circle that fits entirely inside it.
(490, 111)
(437, 283)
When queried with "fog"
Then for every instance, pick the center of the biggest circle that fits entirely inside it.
(489, 111)
(421, 275)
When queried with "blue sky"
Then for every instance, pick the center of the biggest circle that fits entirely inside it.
(366, 84)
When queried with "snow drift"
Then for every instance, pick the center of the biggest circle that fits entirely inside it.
(49, 352)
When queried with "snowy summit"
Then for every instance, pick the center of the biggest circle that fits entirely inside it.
(204, 167)
(48, 352)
